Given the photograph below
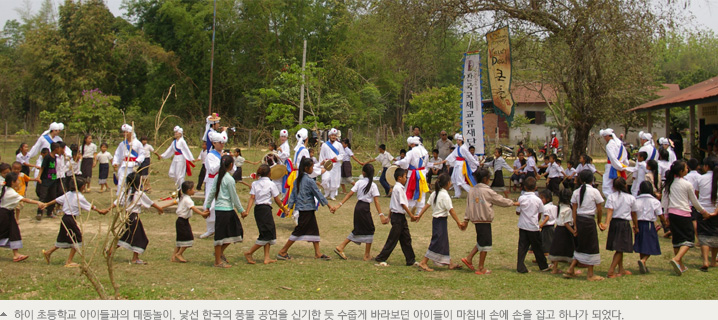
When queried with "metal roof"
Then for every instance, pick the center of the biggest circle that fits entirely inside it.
(704, 92)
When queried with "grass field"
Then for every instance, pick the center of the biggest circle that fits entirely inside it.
(307, 278)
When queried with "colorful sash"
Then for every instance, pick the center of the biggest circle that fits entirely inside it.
(466, 169)
(48, 139)
(416, 185)
(133, 153)
(329, 143)
(215, 153)
(613, 173)
(188, 164)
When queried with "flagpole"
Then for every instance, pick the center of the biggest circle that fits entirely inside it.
(211, 67)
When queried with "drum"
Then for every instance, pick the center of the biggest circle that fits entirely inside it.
(390, 175)
(277, 172)
(328, 165)
(271, 159)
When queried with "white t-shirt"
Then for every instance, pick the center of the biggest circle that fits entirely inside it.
(238, 161)
(398, 198)
(530, 206)
(104, 157)
(184, 207)
(589, 166)
(148, 149)
(693, 177)
(591, 198)
(550, 210)
(530, 165)
(570, 172)
(139, 201)
(22, 158)
(358, 188)
(443, 204)
(264, 190)
(385, 159)
(554, 170)
(89, 150)
(565, 215)
(10, 199)
(648, 208)
(348, 153)
(704, 191)
(622, 204)
(69, 203)
(517, 164)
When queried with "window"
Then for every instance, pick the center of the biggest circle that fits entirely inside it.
(537, 117)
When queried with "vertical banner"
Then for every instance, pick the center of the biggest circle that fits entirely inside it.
(499, 67)
(472, 125)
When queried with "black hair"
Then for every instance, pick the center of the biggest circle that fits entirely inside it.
(712, 163)
(693, 163)
(530, 184)
(84, 142)
(10, 178)
(402, 151)
(306, 162)
(226, 163)
(558, 161)
(662, 154)
(553, 156)
(672, 174)
(586, 158)
(74, 149)
(185, 187)
(643, 155)
(416, 127)
(238, 151)
(19, 149)
(346, 140)
(620, 185)
(530, 152)
(564, 196)
(441, 183)
(646, 188)
(4, 166)
(61, 144)
(481, 174)
(652, 166)
(273, 145)
(16, 163)
(144, 139)
(546, 194)
(586, 177)
(472, 147)
(104, 144)
(133, 181)
(435, 151)
(263, 170)
(44, 151)
(77, 184)
(399, 173)
(368, 171)
(382, 146)
(310, 150)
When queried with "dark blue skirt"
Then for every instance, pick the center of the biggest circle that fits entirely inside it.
(646, 240)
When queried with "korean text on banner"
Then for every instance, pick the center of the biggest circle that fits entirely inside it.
(499, 67)
(471, 120)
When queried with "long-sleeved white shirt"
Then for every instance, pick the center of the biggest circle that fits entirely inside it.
(124, 152)
(178, 145)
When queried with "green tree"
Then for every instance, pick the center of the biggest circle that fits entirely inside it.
(436, 109)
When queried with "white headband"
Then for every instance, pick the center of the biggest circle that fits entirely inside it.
(302, 134)
(333, 131)
(126, 128)
(218, 137)
(458, 137)
(54, 126)
(284, 133)
(178, 129)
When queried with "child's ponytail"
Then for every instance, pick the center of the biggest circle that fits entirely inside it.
(586, 177)
(368, 171)
(441, 183)
(10, 178)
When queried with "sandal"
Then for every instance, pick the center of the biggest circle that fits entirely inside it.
(381, 264)
(595, 278)
(468, 264)
(222, 265)
(138, 261)
(569, 275)
(676, 267)
(72, 265)
(19, 258)
(284, 257)
(340, 254)
(484, 272)
(324, 257)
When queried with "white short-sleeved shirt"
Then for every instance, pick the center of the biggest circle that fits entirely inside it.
(239, 161)
(693, 177)
(565, 215)
(348, 153)
(184, 207)
(10, 199)
(622, 204)
(398, 198)
(385, 159)
(648, 208)
(705, 185)
(148, 149)
(517, 164)
(591, 198)
(89, 150)
(104, 157)
(359, 186)
(550, 210)
(443, 204)
(589, 166)
(554, 170)
(570, 172)
(530, 206)
(69, 202)
(139, 201)
(530, 165)
(22, 158)
(264, 190)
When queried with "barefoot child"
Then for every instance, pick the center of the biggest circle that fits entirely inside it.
(480, 212)
(585, 202)
(70, 235)
(646, 239)
(228, 228)
(363, 232)
(442, 207)
(262, 192)
(529, 209)
(621, 210)
(132, 200)
(302, 199)
(185, 207)
(548, 220)
(563, 241)
(103, 158)
(9, 231)
(399, 233)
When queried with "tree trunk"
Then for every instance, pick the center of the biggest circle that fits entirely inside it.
(580, 140)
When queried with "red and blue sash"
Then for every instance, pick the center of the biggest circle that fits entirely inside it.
(613, 173)
(466, 169)
(188, 164)
(417, 183)
(48, 139)
(215, 153)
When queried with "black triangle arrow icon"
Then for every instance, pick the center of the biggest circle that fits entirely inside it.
(3, 314)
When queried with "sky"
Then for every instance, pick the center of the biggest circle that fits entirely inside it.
(704, 11)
